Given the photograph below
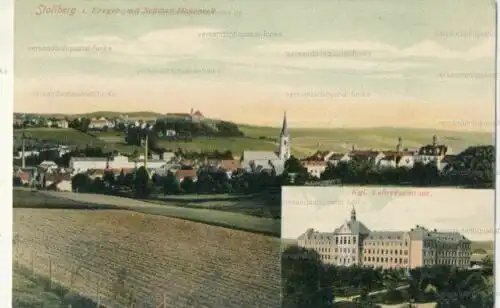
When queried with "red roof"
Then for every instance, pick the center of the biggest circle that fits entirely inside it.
(119, 170)
(55, 177)
(198, 113)
(230, 164)
(181, 174)
(24, 176)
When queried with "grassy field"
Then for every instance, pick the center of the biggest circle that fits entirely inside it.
(74, 137)
(33, 291)
(26, 292)
(235, 145)
(304, 141)
(183, 263)
(255, 206)
(236, 219)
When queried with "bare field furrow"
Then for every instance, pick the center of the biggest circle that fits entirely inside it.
(183, 263)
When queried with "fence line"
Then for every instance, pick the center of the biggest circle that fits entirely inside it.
(77, 280)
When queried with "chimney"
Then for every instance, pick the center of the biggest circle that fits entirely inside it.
(23, 156)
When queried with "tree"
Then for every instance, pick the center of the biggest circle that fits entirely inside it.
(109, 178)
(474, 166)
(188, 185)
(295, 173)
(302, 274)
(143, 185)
(424, 174)
(170, 184)
(80, 183)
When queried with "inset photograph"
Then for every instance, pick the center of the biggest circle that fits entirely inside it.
(387, 247)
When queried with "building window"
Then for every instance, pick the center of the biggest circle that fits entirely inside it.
(354, 240)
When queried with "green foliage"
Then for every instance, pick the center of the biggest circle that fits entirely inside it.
(142, 183)
(474, 167)
(305, 277)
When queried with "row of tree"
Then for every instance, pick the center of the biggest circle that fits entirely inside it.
(307, 282)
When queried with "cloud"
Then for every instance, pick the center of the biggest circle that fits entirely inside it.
(431, 49)
(154, 47)
(369, 49)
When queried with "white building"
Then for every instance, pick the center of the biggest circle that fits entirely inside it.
(101, 123)
(48, 165)
(315, 168)
(82, 164)
(336, 158)
(258, 161)
(432, 153)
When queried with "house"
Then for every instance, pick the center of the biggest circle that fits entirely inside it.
(82, 164)
(181, 175)
(315, 167)
(95, 173)
(336, 158)
(27, 176)
(60, 123)
(48, 165)
(257, 161)
(319, 155)
(370, 156)
(395, 159)
(230, 166)
(196, 116)
(27, 153)
(22, 177)
(432, 153)
(57, 181)
(167, 156)
(100, 123)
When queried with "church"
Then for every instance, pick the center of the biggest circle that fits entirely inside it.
(274, 162)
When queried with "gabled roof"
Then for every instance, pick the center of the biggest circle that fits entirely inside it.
(57, 177)
(355, 226)
(433, 150)
(365, 154)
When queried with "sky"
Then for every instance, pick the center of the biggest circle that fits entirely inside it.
(468, 211)
(349, 63)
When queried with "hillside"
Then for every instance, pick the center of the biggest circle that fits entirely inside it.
(72, 137)
(304, 141)
(184, 264)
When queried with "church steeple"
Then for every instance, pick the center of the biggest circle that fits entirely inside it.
(353, 214)
(284, 150)
(284, 127)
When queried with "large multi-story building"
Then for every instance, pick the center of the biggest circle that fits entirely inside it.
(354, 244)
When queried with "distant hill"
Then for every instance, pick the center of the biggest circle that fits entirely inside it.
(107, 114)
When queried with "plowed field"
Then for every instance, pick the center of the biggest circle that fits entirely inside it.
(180, 263)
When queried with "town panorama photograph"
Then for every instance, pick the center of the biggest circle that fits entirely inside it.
(153, 143)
